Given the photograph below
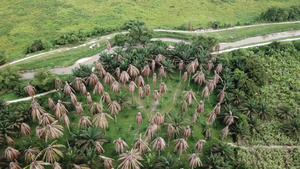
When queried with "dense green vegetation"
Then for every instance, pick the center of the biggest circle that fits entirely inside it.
(60, 22)
(277, 14)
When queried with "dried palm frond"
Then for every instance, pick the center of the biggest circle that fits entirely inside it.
(150, 131)
(56, 165)
(130, 160)
(133, 71)
(221, 95)
(217, 108)
(195, 161)
(14, 165)
(141, 145)
(114, 108)
(132, 87)
(199, 145)
(52, 153)
(39, 132)
(153, 65)
(205, 92)
(158, 119)
(99, 89)
(51, 104)
(211, 117)
(99, 148)
(140, 81)
(58, 84)
(118, 73)
(224, 132)
(186, 132)
(102, 73)
(100, 120)
(210, 65)
(180, 145)
(25, 129)
(119, 145)
(181, 65)
(108, 46)
(159, 144)
(211, 86)
(108, 79)
(115, 87)
(96, 108)
(73, 99)
(200, 107)
(219, 68)
(189, 96)
(77, 83)
(36, 110)
(46, 118)
(139, 118)
(31, 154)
(52, 131)
(141, 92)
(124, 78)
(66, 120)
(229, 119)
(98, 66)
(146, 71)
(11, 154)
(78, 108)
(68, 89)
(155, 95)
(147, 90)
(159, 58)
(30, 90)
(105, 98)
(196, 64)
(10, 141)
(154, 78)
(93, 79)
(84, 122)
(216, 78)
(83, 90)
(185, 76)
(107, 162)
(60, 109)
(89, 98)
(162, 72)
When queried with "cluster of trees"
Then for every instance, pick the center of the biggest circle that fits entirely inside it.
(277, 14)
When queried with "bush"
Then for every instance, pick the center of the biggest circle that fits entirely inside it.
(43, 80)
(38, 45)
(120, 39)
(82, 71)
(276, 14)
(9, 78)
(3, 57)
(132, 23)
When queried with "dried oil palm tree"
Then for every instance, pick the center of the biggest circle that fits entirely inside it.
(155, 95)
(196, 64)
(56, 165)
(189, 96)
(162, 72)
(170, 133)
(108, 79)
(108, 46)
(108, 162)
(133, 71)
(159, 58)
(52, 131)
(66, 121)
(68, 89)
(211, 117)
(10, 141)
(39, 132)
(180, 146)
(147, 91)
(93, 79)
(114, 108)
(195, 161)
(89, 98)
(99, 89)
(146, 71)
(158, 119)
(52, 153)
(217, 108)
(73, 99)
(153, 65)
(105, 98)
(140, 81)
(83, 90)
(195, 117)
(150, 132)
(139, 119)
(132, 87)
(199, 145)
(224, 132)
(46, 118)
(38, 164)
(14, 165)
(130, 160)
(190, 70)
(51, 104)
(207, 132)
(141, 145)
(205, 92)
(199, 78)
(186, 132)
(185, 76)
(219, 68)
(118, 73)
(183, 107)
(180, 67)
(115, 87)
(141, 92)
(119, 145)
(119, 58)
(159, 144)
(36, 110)
(211, 85)
(25, 129)
(96, 108)
(77, 83)
(78, 108)
(124, 77)
(221, 95)
(99, 148)
(210, 65)
(98, 65)
(102, 73)
(60, 109)
(30, 90)
(213, 58)
(229, 119)
(11, 154)
(154, 78)
(162, 89)
(79, 167)
(84, 122)
(100, 120)
(200, 107)
(31, 154)
(58, 84)
(216, 78)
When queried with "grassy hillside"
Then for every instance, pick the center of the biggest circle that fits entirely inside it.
(24, 21)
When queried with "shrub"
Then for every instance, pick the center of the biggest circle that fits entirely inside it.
(132, 23)
(82, 71)
(43, 80)
(276, 14)
(3, 57)
(38, 45)
(120, 39)
(9, 78)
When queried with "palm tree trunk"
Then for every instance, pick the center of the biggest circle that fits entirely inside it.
(105, 131)
(161, 79)
(158, 153)
(180, 75)
(168, 142)
(198, 89)
(189, 79)
(116, 119)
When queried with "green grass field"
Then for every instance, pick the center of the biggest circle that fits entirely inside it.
(24, 21)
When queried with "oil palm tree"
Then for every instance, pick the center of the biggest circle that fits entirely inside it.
(108, 79)
(96, 108)
(183, 107)
(133, 71)
(229, 119)
(189, 96)
(93, 79)
(195, 161)
(141, 145)
(46, 118)
(60, 109)
(217, 108)
(170, 133)
(115, 87)
(180, 67)
(25, 129)
(155, 95)
(78, 108)
(200, 107)
(216, 78)
(102, 72)
(153, 65)
(36, 110)
(219, 68)
(99, 148)
(130, 160)
(56, 165)
(114, 108)
(169, 162)
(83, 90)
(119, 145)
(154, 78)
(68, 89)
(158, 119)
(190, 70)
(159, 144)
(52, 152)
(66, 121)
(84, 122)
(186, 132)
(140, 81)
(224, 132)
(99, 89)
(205, 92)
(14, 165)
(52, 131)
(108, 162)
(77, 83)
(147, 91)
(146, 71)
(210, 65)
(159, 58)
(58, 84)
(108, 46)
(73, 99)
(124, 77)
(51, 104)
(9, 141)
(11, 154)
(132, 87)
(100, 120)
(98, 65)
(141, 92)
(199, 78)
(105, 98)
(150, 131)
(139, 119)
(118, 73)
(207, 132)
(162, 89)
(39, 132)
(211, 117)
(199, 145)
(211, 85)
(37, 164)
(162, 72)
(30, 90)
(180, 145)
(89, 98)
(221, 95)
